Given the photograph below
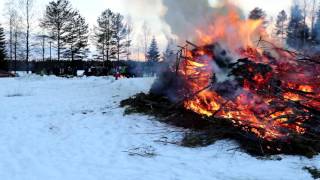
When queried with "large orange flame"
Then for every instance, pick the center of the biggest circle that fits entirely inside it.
(249, 109)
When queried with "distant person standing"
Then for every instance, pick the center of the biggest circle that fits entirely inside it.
(117, 73)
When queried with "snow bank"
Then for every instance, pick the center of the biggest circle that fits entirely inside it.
(73, 129)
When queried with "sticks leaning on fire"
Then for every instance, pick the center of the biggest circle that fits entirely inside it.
(268, 101)
(300, 56)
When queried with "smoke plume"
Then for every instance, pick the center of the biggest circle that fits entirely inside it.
(185, 17)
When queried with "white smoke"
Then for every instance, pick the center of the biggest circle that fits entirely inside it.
(184, 16)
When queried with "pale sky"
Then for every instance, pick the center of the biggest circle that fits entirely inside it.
(149, 11)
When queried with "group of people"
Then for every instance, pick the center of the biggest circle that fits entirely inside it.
(117, 72)
(59, 71)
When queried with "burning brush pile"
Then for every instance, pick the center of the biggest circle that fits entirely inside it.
(239, 84)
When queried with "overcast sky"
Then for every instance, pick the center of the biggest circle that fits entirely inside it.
(149, 11)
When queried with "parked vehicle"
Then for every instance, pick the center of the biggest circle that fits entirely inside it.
(6, 74)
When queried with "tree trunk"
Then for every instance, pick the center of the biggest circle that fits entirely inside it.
(50, 51)
(108, 40)
(28, 36)
(72, 56)
(118, 51)
(15, 50)
(103, 49)
(107, 45)
(103, 54)
(58, 44)
(43, 48)
(11, 38)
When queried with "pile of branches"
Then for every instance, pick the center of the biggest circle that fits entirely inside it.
(205, 131)
(166, 105)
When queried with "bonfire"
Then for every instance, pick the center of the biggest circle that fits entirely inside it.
(238, 79)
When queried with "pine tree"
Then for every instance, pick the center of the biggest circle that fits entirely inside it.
(153, 54)
(257, 13)
(76, 38)
(129, 28)
(82, 38)
(57, 18)
(111, 36)
(169, 58)
(297, 31)
(2, 48)
(120, 32)
(168, 55)
(153, 57)
(103, 36)
(2, 44)
(281, 24)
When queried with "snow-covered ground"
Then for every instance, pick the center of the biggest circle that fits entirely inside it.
(73, 129)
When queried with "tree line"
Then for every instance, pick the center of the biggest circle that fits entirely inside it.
(300, 29)
(64, 32)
